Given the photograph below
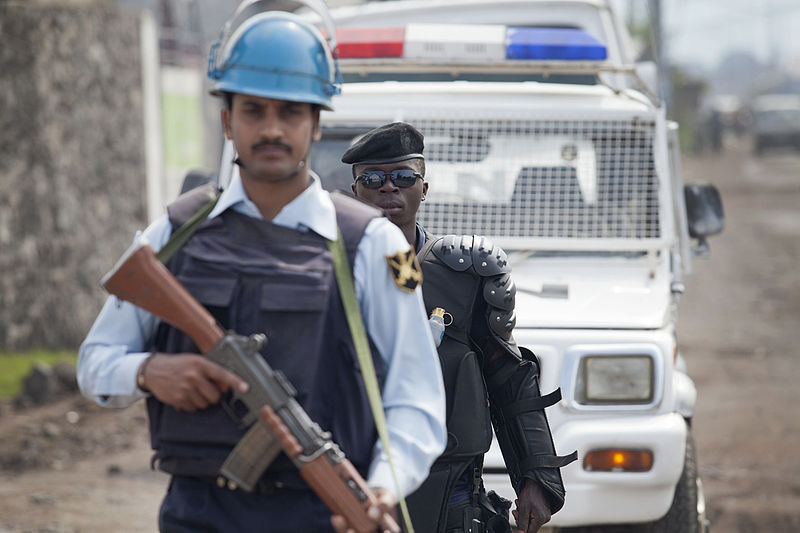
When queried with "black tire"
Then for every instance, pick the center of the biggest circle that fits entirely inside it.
(681, 517)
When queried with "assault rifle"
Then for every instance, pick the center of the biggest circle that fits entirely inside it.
(140, 278)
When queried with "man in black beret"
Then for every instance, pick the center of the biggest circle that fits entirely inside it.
(481, 364)
(389, 171)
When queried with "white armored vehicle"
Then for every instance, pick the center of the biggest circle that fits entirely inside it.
(541, 135)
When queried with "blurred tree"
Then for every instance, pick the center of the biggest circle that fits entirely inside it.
(688, 92)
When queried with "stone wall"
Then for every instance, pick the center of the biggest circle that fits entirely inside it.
(71, 163)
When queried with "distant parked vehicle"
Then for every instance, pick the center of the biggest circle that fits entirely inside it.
(776, 122)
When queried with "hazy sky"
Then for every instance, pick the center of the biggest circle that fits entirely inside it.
(703, 31)
(695, 31)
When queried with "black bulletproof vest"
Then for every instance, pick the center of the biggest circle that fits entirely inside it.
(469, 430)
(257, 277)
(468, 418)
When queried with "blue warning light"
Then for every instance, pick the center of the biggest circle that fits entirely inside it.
(568, 44)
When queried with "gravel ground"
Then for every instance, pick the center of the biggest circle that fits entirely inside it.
(737, 329)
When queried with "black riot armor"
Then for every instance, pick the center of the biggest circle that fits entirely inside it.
(489, 380)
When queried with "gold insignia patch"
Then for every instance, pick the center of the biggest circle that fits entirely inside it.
(405, 270)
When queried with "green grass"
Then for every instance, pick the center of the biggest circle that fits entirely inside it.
(183, 130)
(14, 366)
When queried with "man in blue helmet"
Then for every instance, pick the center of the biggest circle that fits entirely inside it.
(259, 262)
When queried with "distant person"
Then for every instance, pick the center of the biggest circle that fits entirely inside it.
(715, 130)
(469, 279)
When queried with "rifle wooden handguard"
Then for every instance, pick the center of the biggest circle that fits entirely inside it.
(352, 500)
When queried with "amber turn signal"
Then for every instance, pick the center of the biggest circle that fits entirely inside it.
(618, 460)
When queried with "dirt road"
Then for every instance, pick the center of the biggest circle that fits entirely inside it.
(84, 469)
(738, 330)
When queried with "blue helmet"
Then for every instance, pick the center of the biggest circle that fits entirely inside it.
(277, 55)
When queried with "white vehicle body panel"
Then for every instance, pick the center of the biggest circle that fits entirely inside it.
(605, 497)
(597, 497)
(603, 293)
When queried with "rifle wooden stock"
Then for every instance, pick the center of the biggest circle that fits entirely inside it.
(322, 474)
(141, 279)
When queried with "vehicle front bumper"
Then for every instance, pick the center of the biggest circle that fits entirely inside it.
(611, 497)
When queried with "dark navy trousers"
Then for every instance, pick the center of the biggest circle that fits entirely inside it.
(192, 505)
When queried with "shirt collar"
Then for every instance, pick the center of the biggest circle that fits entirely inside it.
(311, 209)
(420, 237)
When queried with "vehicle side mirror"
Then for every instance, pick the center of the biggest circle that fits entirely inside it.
(704, 213)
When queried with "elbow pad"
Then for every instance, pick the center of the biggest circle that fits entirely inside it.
(522, 429)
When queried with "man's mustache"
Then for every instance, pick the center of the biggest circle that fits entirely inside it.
(261, 144)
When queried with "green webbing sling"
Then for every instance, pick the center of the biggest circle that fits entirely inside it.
(347, 290)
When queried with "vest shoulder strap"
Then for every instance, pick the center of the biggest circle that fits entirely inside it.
(189, 203)
(352, 215)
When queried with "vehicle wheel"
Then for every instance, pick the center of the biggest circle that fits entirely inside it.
(685, 515)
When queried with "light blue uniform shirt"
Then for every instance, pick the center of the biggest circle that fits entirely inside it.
(413, 395)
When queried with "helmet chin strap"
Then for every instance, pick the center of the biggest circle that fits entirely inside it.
(302, 162)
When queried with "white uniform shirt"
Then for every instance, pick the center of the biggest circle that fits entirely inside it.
(413, 394)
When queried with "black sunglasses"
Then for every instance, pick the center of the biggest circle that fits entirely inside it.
(402, 177)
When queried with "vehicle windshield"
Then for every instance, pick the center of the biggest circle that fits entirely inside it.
(526, 179)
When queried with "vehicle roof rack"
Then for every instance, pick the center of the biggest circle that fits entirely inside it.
(455, 67)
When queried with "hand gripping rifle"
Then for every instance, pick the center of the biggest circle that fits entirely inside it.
(140, 278)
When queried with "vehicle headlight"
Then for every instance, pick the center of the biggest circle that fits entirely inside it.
(613, 379)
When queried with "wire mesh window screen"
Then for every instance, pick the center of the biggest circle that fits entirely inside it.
(541, 179)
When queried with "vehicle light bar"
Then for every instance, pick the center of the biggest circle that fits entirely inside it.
(370, 42)
(553, 43)
(468, 43)
(455, 41)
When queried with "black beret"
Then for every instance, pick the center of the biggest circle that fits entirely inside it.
(389, 143)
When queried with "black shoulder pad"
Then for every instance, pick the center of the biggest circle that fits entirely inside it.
(190, 202)
(488, 259)
(454, 251)
(460, 252)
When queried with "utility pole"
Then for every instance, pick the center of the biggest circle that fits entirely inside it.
(664, 81)
(631, 17)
